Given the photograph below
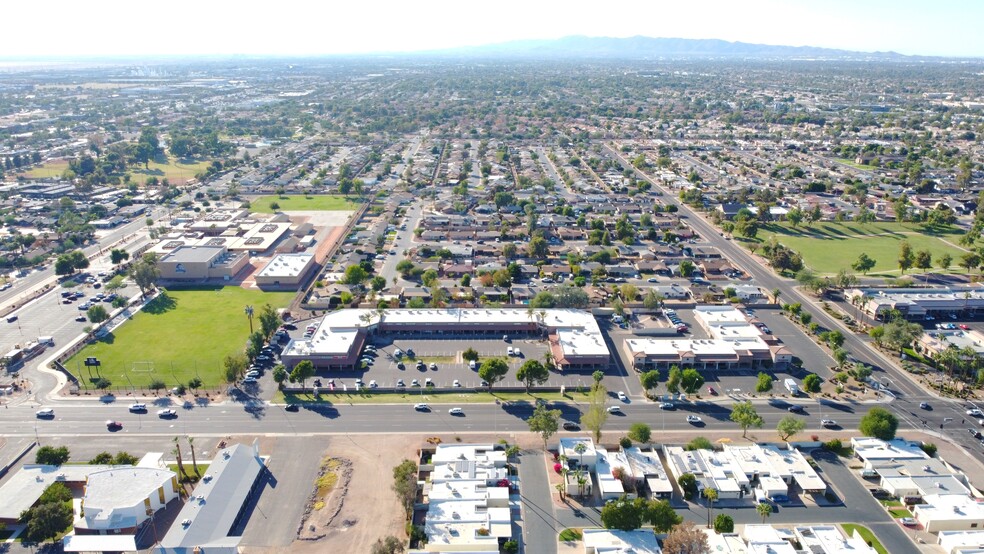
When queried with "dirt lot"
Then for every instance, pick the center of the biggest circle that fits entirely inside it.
(363, 509)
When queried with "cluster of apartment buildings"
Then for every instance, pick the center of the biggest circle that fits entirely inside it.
(940, 496)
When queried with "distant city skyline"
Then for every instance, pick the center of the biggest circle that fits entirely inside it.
(67, 28)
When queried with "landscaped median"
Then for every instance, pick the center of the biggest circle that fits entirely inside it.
(412, 396)
(866, 535)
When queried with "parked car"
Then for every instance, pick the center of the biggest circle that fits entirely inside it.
(400, 383)
(292, 407)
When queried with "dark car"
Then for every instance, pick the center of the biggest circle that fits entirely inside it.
(976, 434)
(795, 408)
(292, 407)
(571, 426)
(289, 326)
(880, 493)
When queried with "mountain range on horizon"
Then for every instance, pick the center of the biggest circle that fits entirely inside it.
(642, 47)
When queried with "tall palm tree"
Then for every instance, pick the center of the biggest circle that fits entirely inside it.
(776, 293)
(580, 448)
(194, 459)
(177, 456)
(711, 495)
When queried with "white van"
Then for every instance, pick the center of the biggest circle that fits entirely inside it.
(509, 351)
(472, 365)
(50, 341)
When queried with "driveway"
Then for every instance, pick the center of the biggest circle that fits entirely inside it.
(540, 523)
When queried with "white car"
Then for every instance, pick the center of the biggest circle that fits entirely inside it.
(456, 411)
(614, 410)
(421, 407)
(456, 383)
(372, 384)
(666, 406)
(138, 407)
(45, 412)
(828, 423)
(167, 413)
(975, 412)
(694, 419)
(622, 397)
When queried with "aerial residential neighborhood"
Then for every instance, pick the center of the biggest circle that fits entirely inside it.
(596, 294)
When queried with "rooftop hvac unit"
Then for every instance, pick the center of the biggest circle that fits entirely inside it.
(186, 522)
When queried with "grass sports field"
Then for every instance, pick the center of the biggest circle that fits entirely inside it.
(178, 336)
(297, 203)
(175, 171)
(829, 247)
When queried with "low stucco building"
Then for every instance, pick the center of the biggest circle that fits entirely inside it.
(285, 271)
(201, 263)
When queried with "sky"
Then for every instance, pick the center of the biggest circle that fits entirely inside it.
(70, 28)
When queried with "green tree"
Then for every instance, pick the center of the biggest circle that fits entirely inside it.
(945, 261)
(405, 485)
(879, 423)
(470, 355)
(97, 313)
(724, 523)
(687, 268)
(493, 370)
(195, 383)
(673, 380)
(744, 414)
(532, 372)
(355, 274)
(699, 443)
(280, 375)
(47, 521)
(57, 492)
(691, 380)
(622, 514)
(640, 432)
(688, 484)
(906, 256)
(52, 456)
(234, 366)
(145, 273)
(545, 422)
(269, 320)
(764, 383)
(649, 379)
(924, 260)
(596, 415)
(303, 371)
(661, 515)
(864, 264)
(811, 383)
(597, 376)
(789, 426)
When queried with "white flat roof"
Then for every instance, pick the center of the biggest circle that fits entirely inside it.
(830, 540)
(949, 507)
(286, 265)
(121, 487)
(23, 489)
(871, 450)
(699, 347)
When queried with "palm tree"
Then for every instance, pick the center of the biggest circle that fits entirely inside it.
(194, 459)
(560, 489)
(864, 302)
(248, 310)
(548, 360)
(580, 448)
(776, 293)
(177, 456)
(581, 482)
(764, 509)
(711, 495)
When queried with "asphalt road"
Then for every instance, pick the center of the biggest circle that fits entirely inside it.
(84, 419)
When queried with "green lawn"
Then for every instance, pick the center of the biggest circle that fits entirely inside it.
(866, 534)
(852, 163)
(50, 170)
(183, 334)
(175, 171)
(293, 203)
(828, 247)
(900, 513)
